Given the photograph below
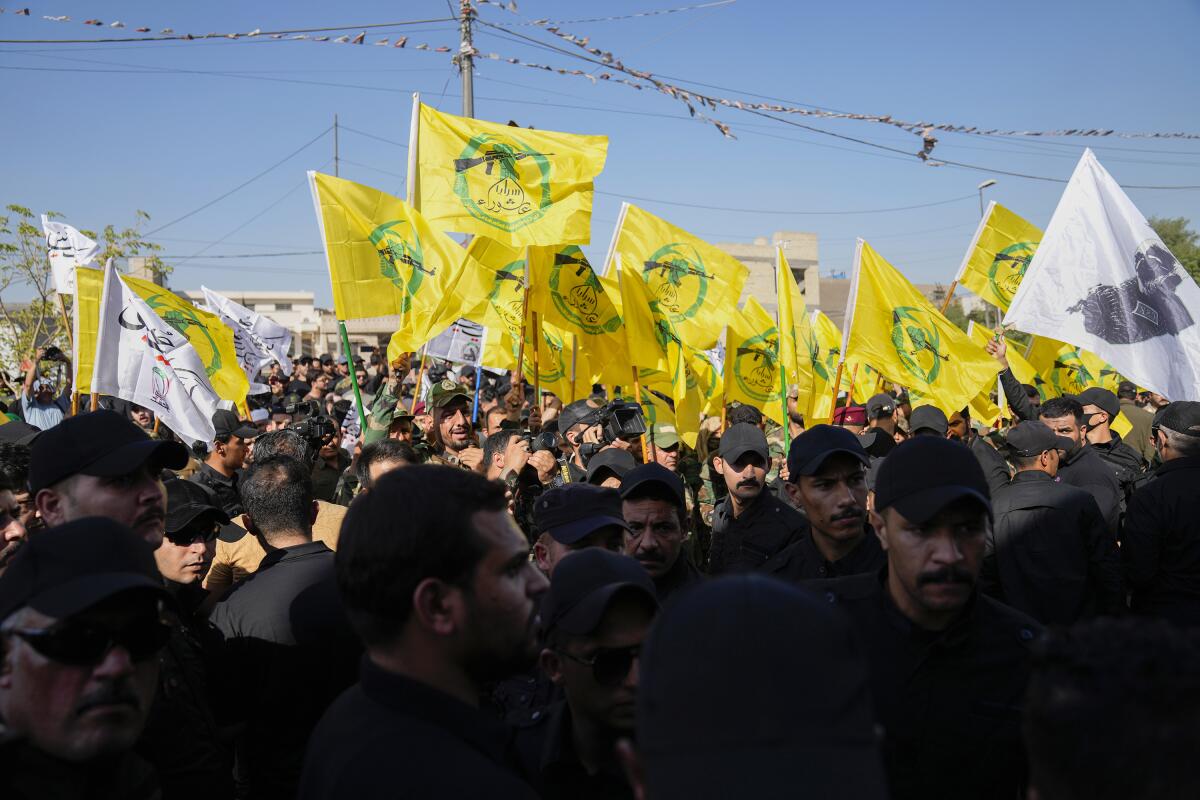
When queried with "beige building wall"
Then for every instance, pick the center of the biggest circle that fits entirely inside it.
(801, 251)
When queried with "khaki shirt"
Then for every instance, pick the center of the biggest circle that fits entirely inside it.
(235, 561)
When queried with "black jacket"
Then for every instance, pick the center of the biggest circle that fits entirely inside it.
(995, 468)
(550, 763)
(1160, 544)
(744, 543)
(1126, 463)
(802, 561)
(949, 702)
(680, 576)
(1050, 553)
(30, 774)
(1084, 469)
(225, 489)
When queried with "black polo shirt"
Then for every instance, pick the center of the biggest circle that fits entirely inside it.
(389, 736)
(802, 561)
(551, 763)
(223, 488)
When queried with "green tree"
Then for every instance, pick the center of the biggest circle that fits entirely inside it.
(1181, 240)
(26, 327)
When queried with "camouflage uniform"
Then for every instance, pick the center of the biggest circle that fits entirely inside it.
(382, 411)
(440, 394)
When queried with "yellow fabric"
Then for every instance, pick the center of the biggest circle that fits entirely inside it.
(823, 341)
(89, 285)
(1003, 247)
(709, 383)
(211, 337)
(752, 361)
(792, 322)
(696, 285)
(896, 330)
(1067, 369)
(645, 342)
(1121, 425)
(385, 258)
(655, 409)
(514, 185)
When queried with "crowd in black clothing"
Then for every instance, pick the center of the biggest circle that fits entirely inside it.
(527, 606)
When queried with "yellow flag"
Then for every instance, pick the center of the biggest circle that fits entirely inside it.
(211, 337)
(89, 286)
(655, 410)
(696, 285)
(792, 323)
(752, 361)
(514, 185)
(385, 259)
(565, 291)
(646, 340)
(895, 329)
(1067, 369)
(823, 342)
(999, 254)
(709, 383)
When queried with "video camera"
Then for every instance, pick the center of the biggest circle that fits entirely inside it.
(316, 428)
(618, 419)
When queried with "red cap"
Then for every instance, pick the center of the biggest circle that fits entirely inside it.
(849, 415)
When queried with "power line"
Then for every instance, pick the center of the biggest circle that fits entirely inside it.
(374, 136)
(252, 255)
(244, 184)
(230, 36)
(777, 211)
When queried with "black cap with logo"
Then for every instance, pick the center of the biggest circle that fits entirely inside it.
(925, 474)
(100, 443)
(881, 405)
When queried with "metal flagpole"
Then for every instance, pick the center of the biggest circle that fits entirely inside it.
(362, 413)
(787, 434)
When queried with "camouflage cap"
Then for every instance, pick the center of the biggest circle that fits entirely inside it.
(446, 391)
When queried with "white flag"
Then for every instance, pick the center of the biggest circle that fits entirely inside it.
(258, 340)
(144, 360)
(1103, 280)
(67, 249)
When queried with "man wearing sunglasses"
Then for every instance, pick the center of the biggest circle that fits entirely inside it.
(595, 617)
(100, 464)
(80, 631)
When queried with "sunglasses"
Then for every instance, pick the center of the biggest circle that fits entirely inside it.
(192, 534)
(609, 665)
(85, 644)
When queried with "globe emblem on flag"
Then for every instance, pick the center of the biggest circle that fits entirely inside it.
(503, 182)
(918, 343)
(1008, 268)
(678, 280)
(577, 294)
(161, 384)
(506, 296)
(756, 365)
(401, 258)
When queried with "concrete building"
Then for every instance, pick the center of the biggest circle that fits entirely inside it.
(293, 310)
(802, 255)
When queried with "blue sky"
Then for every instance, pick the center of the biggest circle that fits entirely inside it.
(96, 131)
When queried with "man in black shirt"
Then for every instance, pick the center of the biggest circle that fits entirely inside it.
(226, 457)
(1100, 408)
(595, 617)
(299, 385)
(654, 507)
(287, 636)
(1082, 465)
(750, 525)
(948, 665)
(437, 580)
(1050, 553)
(827, 479)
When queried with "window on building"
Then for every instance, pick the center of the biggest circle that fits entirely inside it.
(283, 306)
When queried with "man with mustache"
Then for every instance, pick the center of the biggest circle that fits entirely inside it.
(948, 664)
(100, 464)
(453, 439)
(437, 581)
(654, 506)
(80, 632)
(750, 525)
(827, 479)
(594, 619)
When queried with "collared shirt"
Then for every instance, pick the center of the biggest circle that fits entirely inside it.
(222, 486)
(763, 529)
(803, 561)
(389, 736)
(44, 416)
(1160, 544)
(552, 764)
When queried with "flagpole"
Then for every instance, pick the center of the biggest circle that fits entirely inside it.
(787, 434)
(637, 394)
(837, 382)
(475, 408)
(62, 307)
(362, 413)
(410, 180)
(853, 382)
(949, 295)
(524, 314)
(537, 373)
(574, 355)
(962, 268)
(420, 376)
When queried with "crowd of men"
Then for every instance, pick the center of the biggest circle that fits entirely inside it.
(477, 591)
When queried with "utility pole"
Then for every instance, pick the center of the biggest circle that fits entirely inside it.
(335, 146)
(466, 58)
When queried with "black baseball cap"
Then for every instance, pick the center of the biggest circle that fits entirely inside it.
(794, 717)
(583, 586)
(1181, 416)
(187, 500)
(810, 449)
(1102, 399)
(69, 568)
(740, 439)
(18, 432)
(929, 417)
(572, 414)
(613, 459)
(1031, 438)
(573, 511)
(226, 423)
(648, 474)
(926, 473)
(100, 443)
(881, 405)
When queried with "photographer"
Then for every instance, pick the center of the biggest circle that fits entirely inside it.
(38, 404)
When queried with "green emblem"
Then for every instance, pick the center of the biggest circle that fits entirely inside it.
(578, 296)
(822, 367)
(552, 369)
(1069, 375)
(507, 295)
(503, 182)
(182, 318)
(401, 259)
(918, 343)
(1008, 268)
(756, 366)
(678, 280)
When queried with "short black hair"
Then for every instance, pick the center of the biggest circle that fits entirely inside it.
(383, 450)
(283, 443)
(1113, 711)
(277, 493)
(1031, 391)
(14, 465)
(744, 413)
(417, 524)
(1059, 407)
(496, 443)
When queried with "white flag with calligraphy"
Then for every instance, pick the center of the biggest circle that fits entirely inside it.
(144, 360)
(258, 340)
(67, 249)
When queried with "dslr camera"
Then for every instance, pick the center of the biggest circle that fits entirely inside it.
(316, 428)
(619, 419)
